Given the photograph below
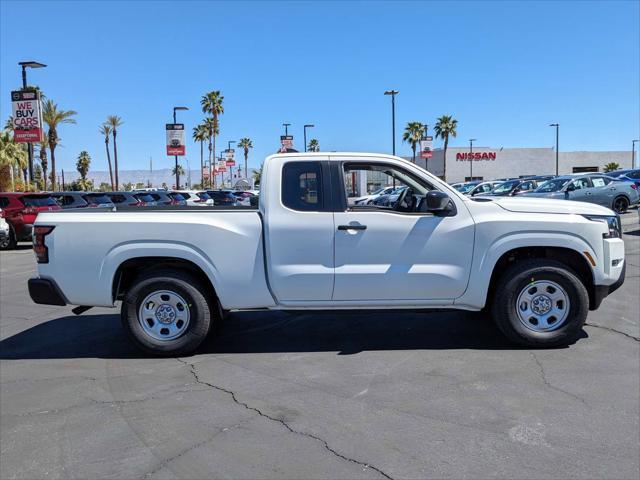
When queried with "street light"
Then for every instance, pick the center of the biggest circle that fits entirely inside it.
(286, 128)
(230, 167)
(25, 65)
(305, 135)
(393, 94)
(471, 140)
(557, 125)
(633, 152)
(176, 157)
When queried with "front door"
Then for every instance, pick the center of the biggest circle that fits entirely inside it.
(393, 249)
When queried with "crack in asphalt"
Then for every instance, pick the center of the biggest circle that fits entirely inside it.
(545, 380)
(183, 452)
(283, 423)
(632, 337)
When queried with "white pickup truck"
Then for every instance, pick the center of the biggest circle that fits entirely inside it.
(537, 264)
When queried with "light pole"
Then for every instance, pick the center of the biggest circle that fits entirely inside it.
(633, 153)
(25, 65)
(471, 140)
(557, 125)
(176, 157)
(393, 94)
(305, 135)
(286, 128)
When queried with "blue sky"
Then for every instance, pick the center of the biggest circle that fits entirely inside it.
(505, 70)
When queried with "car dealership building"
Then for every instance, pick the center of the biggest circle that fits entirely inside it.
(492, 163)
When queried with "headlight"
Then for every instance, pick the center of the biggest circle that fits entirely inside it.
(612, 222)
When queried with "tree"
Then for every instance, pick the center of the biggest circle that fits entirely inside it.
(114, 122)
(105, 130)
(105, 187)
(313, 146)
(200, 135)
(413, 132)
(211, 103)
(212, 130)
(43, 161)
(446, 126)
(245, 143)
(127, 186)
(82, 165)
(257, 175)
(38, 177)
(180, 172)
(54, 117)
(12, 155)
(611, 167)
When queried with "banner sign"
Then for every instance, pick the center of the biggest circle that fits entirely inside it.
(205, 172)
(221, 166)
(286, 141)
(27, 117)
(229, 154)
(175, 139)
(426, 147)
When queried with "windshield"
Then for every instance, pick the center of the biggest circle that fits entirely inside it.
(39, 201)
(553, 185)
(466, 187)
(618, 173)
(505, 187)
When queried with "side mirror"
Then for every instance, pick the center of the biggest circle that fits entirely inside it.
(438, 202)
(570, 188)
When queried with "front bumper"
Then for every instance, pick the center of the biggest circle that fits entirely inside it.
(601, 291)
(46, 292)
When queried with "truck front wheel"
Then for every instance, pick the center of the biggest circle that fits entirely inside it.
(540, 303)
(166, 313)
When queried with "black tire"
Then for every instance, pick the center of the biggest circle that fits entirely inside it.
(200, 302)
(9, 243)
(620, 204)
(515, 279)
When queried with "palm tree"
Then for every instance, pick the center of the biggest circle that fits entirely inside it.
(106, 131)
(413, 132)
(200, 135)
(82, 165)
(180, 171)
(446, 126)
(55, 117)
(211, 103)
(114, 122)
(43, 160)
(611, 167)
(245, 144)
(212, 130)
(257, 175)
(313, 146)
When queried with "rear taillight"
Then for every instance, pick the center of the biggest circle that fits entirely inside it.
(39, 247)
(634, 186)
(135, 204)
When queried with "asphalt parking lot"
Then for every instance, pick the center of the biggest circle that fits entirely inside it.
(276, 395)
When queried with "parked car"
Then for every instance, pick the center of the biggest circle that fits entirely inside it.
(196, 198)
(162, 197)
(389, 199)
(512, 187)
(614, 194)
(631, 175)
(243, 197)
(4, 232)
(484, 187)
(539, 265)
(82, 200)
(368, 199)
(223, 197)
(69, 200)
(146, 199)
(466, 187)
(124, 199)
(20, 211)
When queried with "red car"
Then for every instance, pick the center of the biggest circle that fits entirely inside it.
(20, 211)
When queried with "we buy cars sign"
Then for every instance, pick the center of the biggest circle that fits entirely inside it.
(27, 117)
(175, 139)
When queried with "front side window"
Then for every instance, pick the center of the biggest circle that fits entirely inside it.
(405, 192)
(302, 186)
(581, 183)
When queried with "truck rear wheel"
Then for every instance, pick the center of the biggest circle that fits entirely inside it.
(540, 303)
(166, 312)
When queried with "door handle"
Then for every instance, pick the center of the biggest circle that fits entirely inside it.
(352, 227)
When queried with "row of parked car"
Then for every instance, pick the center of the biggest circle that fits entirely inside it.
(616, 190)
(18, 210)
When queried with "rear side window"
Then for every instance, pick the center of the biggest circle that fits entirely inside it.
(145, 197)
(97, 199)
(117, 198)
(600, 182)
(177, 196)
(302, 186)
(203, 196)
(38, 201)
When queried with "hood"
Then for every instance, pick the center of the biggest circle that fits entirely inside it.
(529, 204)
